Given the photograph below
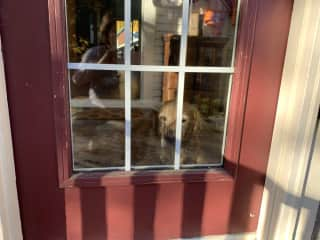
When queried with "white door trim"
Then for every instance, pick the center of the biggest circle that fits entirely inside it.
(10, 223)
(298, 106)
(311, 193)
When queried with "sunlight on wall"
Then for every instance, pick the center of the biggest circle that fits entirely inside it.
(10, 226)
(1, 228)
(1, 231)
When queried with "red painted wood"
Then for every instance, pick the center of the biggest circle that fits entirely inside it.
(270, 43)
(152, 211)
(25, 37)
(138, 206)
(100, 179)
(60, 88)
(120, 202)
(73, 214)
(243, 63)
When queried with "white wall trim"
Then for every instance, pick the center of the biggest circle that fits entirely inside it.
(294, 128)
(10, 223)
(311, 193)
(244, 236)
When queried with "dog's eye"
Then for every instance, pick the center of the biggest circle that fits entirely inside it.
(184, 120)
(163, 119)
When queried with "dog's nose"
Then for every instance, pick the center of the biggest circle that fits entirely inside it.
(170, 138)
(170, 133)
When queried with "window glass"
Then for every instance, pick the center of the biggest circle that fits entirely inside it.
(124, 116)
(211, 33)
(159, 21)
(95, 31)
(204, 118)
(153, 127)
(97, 117)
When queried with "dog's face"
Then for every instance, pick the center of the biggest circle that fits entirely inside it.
(191, 121)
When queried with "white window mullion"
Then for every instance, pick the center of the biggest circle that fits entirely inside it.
(127, 55)
(177, 162)
(182, 63)
(149, 68)
(235, 39)
(127, 120)
(184, 33)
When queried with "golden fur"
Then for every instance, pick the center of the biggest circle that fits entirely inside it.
(191, 120)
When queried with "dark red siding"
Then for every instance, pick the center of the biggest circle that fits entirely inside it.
(25, 36)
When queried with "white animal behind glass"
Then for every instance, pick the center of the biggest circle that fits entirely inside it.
(201, 139)
(191, 126)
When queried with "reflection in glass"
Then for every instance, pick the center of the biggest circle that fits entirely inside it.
(96, 35)
(98, 118)
(159, 21)
(211, 33)
(203, 120)
(153, 135)
(97, 113)
(95, 31)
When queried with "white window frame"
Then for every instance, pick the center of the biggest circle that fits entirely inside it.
(127, 67)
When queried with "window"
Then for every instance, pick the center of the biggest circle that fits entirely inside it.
(149, 82)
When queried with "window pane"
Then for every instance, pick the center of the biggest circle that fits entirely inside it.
(203, 120)
(153, 126)
(157, 29)
(95, 31)
(96, 35)
(97, 111)
(98, 120)
(154, 22)
(211, 33)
